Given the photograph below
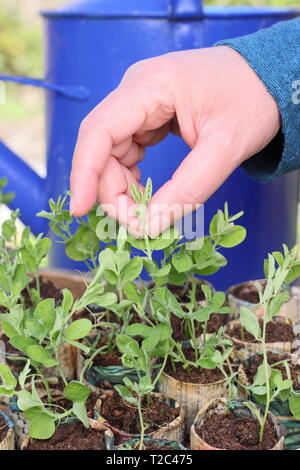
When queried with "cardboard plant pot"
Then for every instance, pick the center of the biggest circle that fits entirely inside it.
(245, 349)
(219, 406)
(191, 396)
(279, 408)
(8, 442)
(66, 279)
(173, 431)
(290, 309)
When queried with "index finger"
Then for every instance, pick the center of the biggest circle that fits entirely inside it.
(108, 124)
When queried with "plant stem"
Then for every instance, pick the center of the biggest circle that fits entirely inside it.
(45, 383)
(193, 292)
(161, 370)
(266, 368)
(88, 362)
(142, 426)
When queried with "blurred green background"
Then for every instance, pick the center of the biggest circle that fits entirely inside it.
(21, 53)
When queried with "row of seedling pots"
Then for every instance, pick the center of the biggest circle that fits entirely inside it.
(118, 363)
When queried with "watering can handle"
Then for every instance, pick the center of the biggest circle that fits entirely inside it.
(186, 8)
(20, 176)
(73, 92)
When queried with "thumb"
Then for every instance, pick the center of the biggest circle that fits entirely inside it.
(200, 174)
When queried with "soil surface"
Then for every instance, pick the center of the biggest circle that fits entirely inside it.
(228, 431)
(70, 437)
(257, 360)
(193, 375)
(124, 416)
(3, 429)
(9, 349)
(215, 321)
(181, 292)
(107, 359)
(47, 289)
(248, 292)
(111, 359)
(275, 332)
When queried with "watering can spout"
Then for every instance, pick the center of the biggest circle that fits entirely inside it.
(28, 187)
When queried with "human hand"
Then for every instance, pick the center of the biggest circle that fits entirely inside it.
(211, 97)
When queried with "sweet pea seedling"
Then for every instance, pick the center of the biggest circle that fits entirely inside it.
(268, 383)
(156, 342)
(39, 335)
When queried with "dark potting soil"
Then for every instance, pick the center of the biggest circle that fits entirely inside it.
(193, 375)
(257, 360)
(275, 332)
(47, 290)
(8, 347)
(231, 432)
(248, 292)
(215, 321)
(181, 293)
(124, 417)
(108, 359)
(71, 437)
(3, 429)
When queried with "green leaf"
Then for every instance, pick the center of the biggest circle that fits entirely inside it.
(218, 300)
(207, 364)
(24, 373)
(81, 346)
(8, 381)
(259, 390)
(36, 329)
(160, 243)
(26, 400)
(67, 301)
(41, 355)
(126, 394)
(250, 322)
(79, 410)
(73, 251)
(162, 272)
(182, 262)
(138, 329)
(260, 376)
(106, 300)
(148, 192)
(127, 344)
(294, 404)
(78, 329)
(45, 313)
(21, 342)
(276, 303)
(132, 270)
(8, 329)
(131, 291)
(76, 392)
(151, 341)
(234, 237)
(42, 426)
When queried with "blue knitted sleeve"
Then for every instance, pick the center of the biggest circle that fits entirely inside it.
(274, 54)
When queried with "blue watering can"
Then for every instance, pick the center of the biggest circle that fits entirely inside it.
(90, 44)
